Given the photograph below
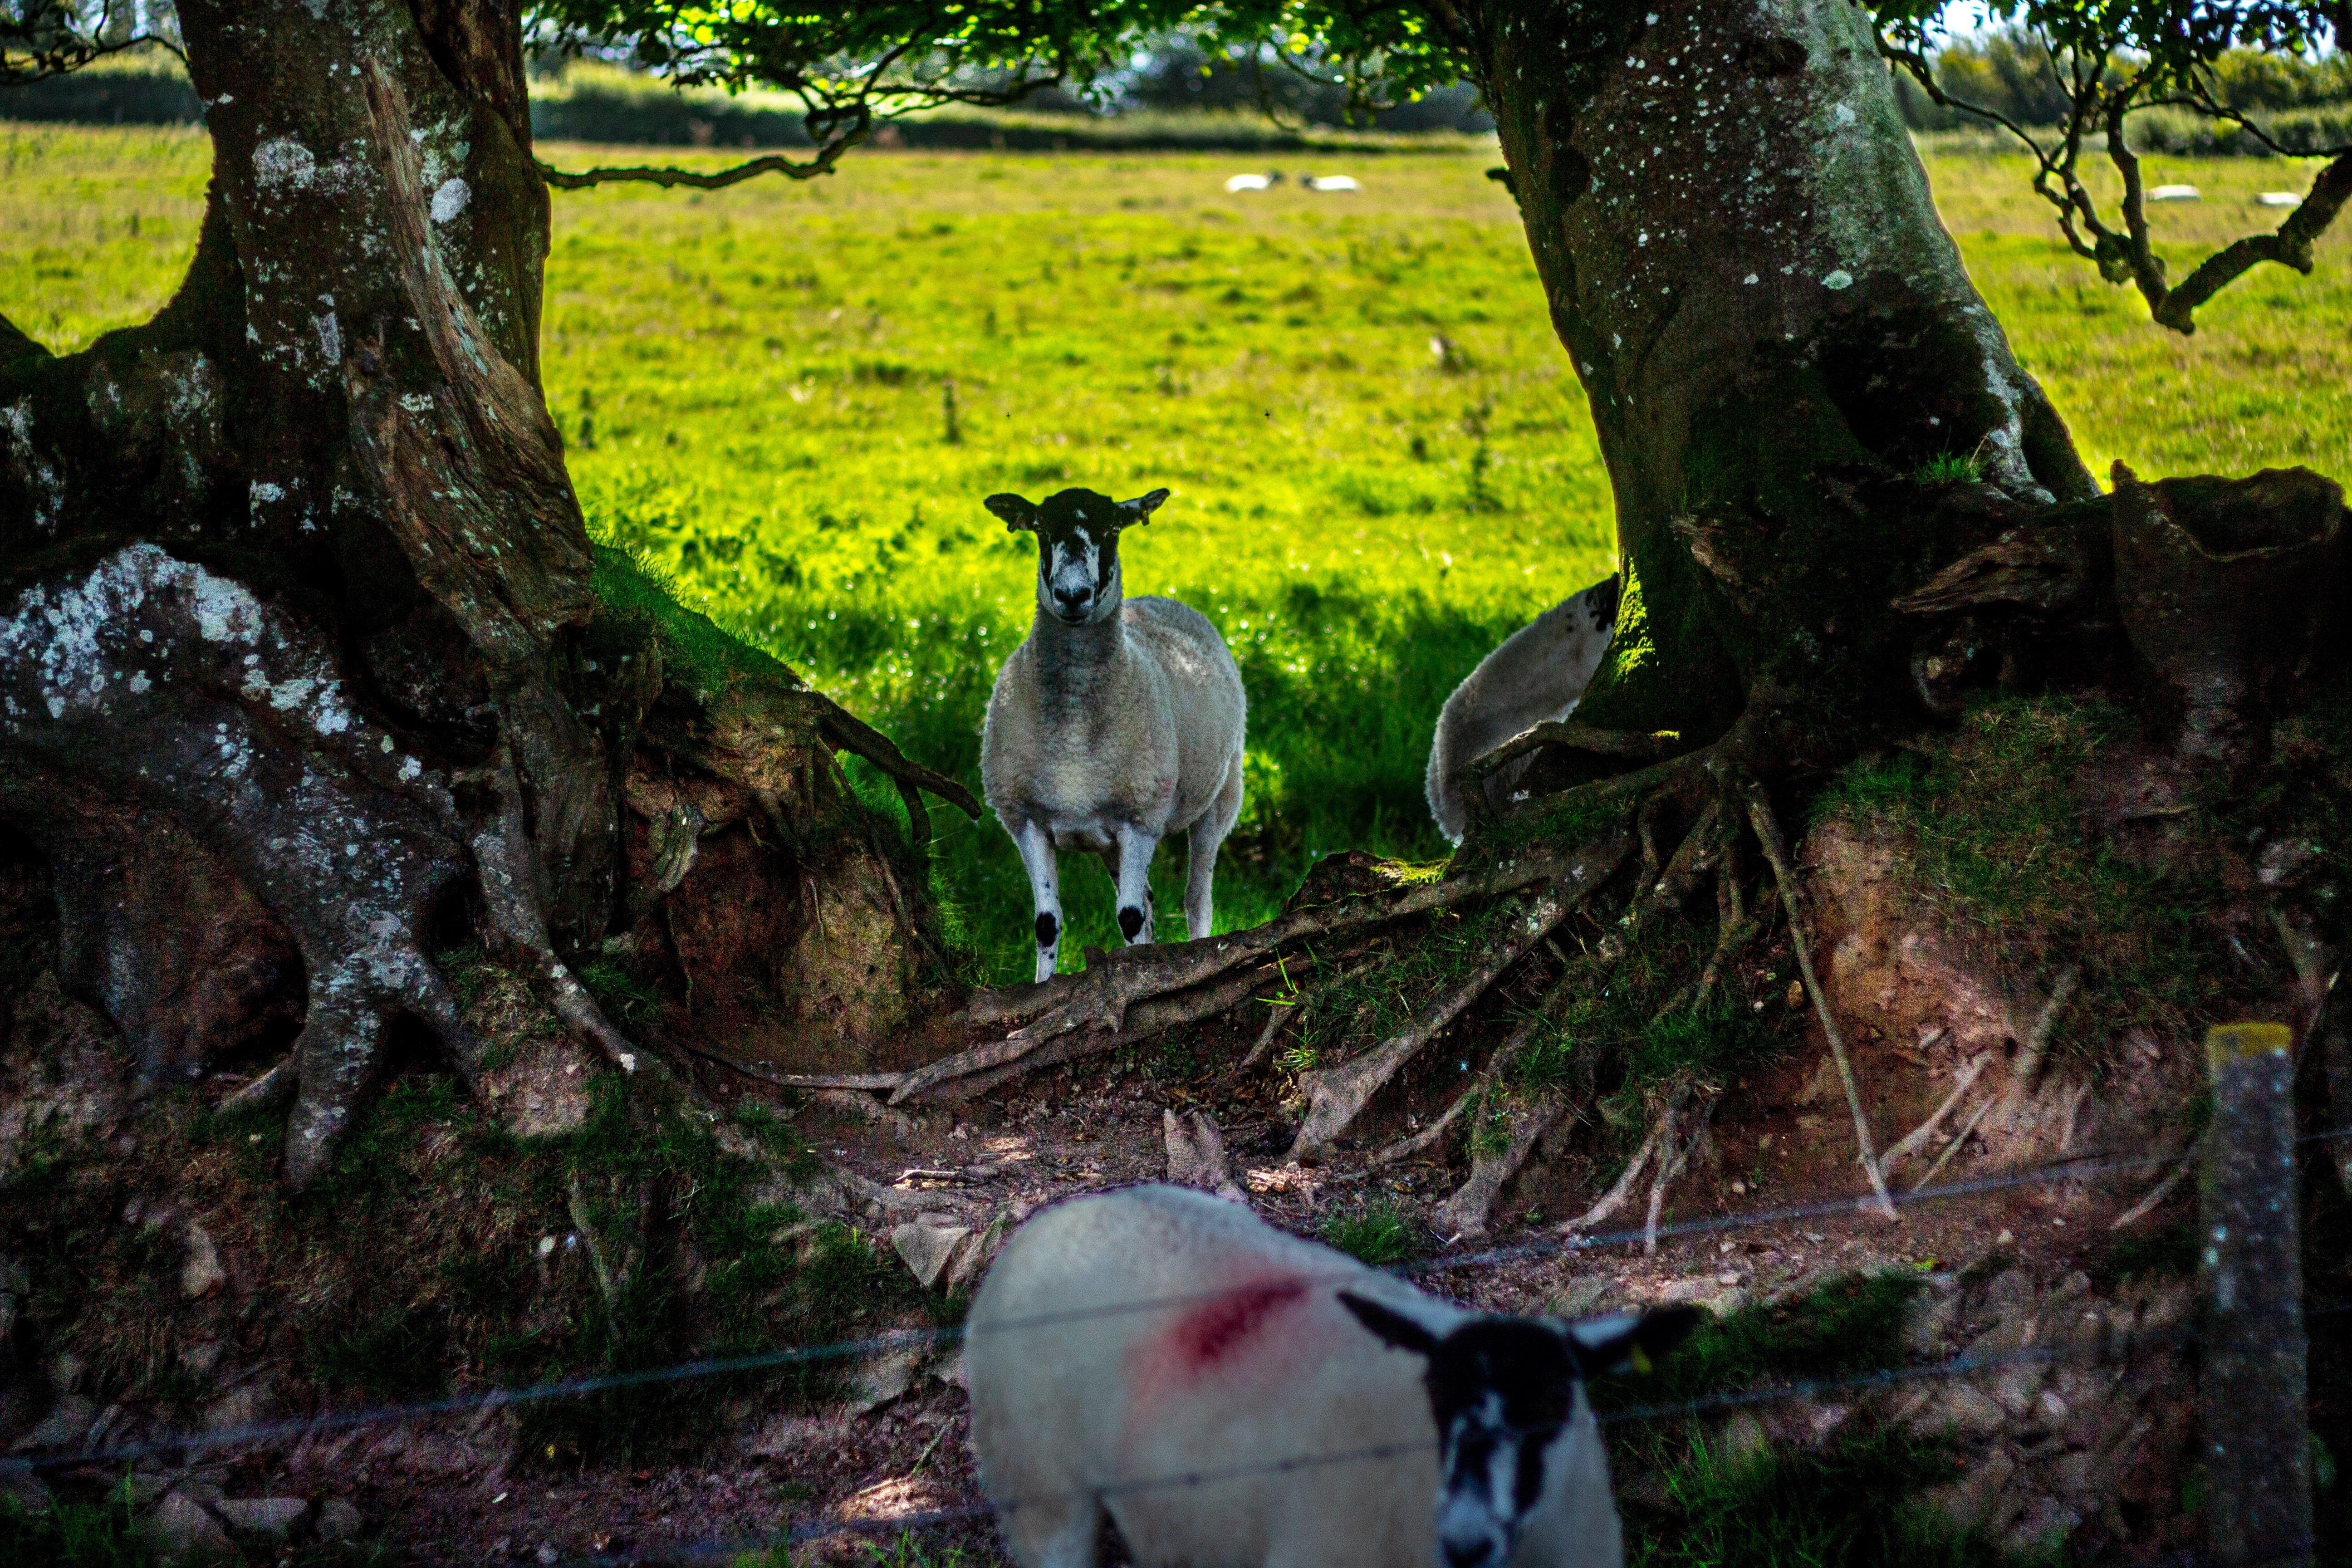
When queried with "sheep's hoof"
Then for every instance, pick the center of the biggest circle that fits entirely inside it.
(1131, 923)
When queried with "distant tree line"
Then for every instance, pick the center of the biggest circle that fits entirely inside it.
(2304, 102)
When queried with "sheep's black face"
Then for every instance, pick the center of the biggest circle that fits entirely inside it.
(1502, 1392)
(1077, 548)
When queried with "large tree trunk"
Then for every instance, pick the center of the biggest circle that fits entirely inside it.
(298, 635)
(1775, 332)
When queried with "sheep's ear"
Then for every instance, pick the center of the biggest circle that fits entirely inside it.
(1630, 1339)
(1133, 514)
(1391, 1326)
(1018, 514)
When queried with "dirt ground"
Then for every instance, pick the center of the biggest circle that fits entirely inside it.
(453, 1491)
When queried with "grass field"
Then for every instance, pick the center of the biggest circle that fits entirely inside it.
(756, 385)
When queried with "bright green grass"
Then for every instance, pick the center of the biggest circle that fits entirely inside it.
(753, 383)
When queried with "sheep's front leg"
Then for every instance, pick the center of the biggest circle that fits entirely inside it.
(1136, 848)
(1036, 846)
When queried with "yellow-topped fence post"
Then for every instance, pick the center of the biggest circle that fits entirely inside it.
(2255, 1399)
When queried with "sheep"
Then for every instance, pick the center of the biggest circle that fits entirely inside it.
(1241, 182)
(1538, 673)
(1117, 723)
(1419, 1431)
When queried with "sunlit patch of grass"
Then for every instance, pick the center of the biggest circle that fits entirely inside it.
(754, 384)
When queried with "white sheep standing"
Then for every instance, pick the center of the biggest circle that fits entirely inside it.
(1538, 674)
(1426, 1431)
(1116, 722)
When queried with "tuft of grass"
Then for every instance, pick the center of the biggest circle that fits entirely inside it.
(1852, 1504)
(1993, 840)
(1380, 1233)
(1847, 1325)
(2170, 1253)
(1949, 469)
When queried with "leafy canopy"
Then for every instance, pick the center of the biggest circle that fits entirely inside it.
(2111, 58)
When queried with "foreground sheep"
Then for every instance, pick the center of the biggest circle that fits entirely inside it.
(1438, 1434)
(1538, 674)
(1117, 723)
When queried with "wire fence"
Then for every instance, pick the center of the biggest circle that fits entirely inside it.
(189, 1446)
(2080, 1167)
(2087, 1352)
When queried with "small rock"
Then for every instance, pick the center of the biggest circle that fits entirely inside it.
(263, 1515)
(1928, 1321)
(200, 1360)
(338, 1519)
(1740, 1438)
(201, 1274)
(545, 1556)
(181, 1525)
(66, 1424)
(2045, 1527)
(241, 1406)
(927, 1246)
(884, 1379)
(20, 1486)
(1966, 1408)
(65, 1373)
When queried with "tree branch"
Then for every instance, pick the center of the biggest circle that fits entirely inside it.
(2290, 247)
(669, 177)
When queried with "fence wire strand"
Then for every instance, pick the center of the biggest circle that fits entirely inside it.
(2100, 1351)
(2079, 1167)
(2072, 1168)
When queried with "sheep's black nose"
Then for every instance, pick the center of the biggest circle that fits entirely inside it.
(1469, 1554)
(1073, 598)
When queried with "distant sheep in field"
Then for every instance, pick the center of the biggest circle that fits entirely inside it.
(1473, 1441)
(1241, 182)
(1117, 723)
(1538, 674)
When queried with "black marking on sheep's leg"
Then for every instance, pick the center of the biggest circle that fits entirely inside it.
(1049, 929)
(1131, 921)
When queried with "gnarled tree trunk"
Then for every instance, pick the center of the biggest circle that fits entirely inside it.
(299, 629)
(1775, 331)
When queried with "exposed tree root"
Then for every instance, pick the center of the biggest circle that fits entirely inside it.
(1492, 1167)
(1144, 1021)
(1768, 833)
(1095, 1003)
(1958, 1140)
(850, 734)
(1916, 1139)
(1614, 1198)
(2155, 1194)
(2028, 1071)
(1563, 990)
(1335, 1096)
(1675, 1148)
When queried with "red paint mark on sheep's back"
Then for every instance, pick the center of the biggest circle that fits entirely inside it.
(1221, 1329)
(1219, 1335)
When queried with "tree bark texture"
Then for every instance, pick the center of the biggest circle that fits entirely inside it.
(298, 628)
(1775, 332)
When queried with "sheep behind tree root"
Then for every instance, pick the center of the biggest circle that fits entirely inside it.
(1537, 676)
(1432, 1434)
(1116, 722)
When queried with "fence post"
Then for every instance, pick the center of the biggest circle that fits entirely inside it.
(2253, 1400)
